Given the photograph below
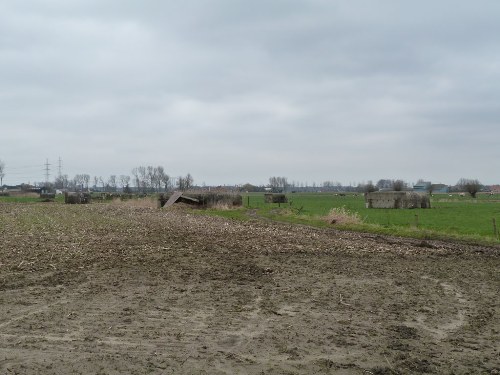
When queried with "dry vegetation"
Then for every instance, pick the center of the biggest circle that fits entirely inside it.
(124, 288)
(343, 216)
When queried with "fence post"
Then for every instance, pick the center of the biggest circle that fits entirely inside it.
(495, 229)
(416, 221)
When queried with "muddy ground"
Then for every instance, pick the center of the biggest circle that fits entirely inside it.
(113, 289)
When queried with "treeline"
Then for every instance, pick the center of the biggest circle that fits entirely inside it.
(144, 179)
(282, 185)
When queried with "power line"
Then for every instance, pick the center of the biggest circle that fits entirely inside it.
(47, 170)
(60, 167)
(38, 166)
(21, 173)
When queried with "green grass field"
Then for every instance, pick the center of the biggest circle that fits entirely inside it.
(456, 216)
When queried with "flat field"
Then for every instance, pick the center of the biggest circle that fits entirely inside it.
(114, 289)
(449, 216)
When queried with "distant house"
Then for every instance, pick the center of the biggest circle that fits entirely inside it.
(440, 188)
(495, 189)
(422, 187)
(426, 187)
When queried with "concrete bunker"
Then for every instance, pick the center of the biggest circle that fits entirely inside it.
(77, 198)
(397, 199)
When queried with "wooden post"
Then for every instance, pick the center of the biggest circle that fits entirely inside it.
(495, 229)
(248, 201)
(416, 221)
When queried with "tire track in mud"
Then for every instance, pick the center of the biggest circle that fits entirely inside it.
(27, 314)
(449, 324)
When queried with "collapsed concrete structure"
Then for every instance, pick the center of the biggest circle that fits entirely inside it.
(200, 200)
(397, 199)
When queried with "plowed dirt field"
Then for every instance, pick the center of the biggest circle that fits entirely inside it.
(113, 289)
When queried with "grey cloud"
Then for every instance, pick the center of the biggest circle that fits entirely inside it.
(317, 89)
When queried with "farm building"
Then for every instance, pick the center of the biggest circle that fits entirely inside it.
(397, 199)
(495, 189)
(440, 188)
(426, 187)
(423, 187)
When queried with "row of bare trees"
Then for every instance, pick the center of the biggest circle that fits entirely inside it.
(146, 179)
(85, 182)
(151, 178)
(278, 184)
(154, 179)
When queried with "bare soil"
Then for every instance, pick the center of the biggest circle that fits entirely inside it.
(112, 289)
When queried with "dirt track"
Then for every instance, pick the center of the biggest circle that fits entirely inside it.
(112, 289)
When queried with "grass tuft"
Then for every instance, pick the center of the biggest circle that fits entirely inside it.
(343, 216)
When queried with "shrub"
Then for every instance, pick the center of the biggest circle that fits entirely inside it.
(275, 198)
(342, 216)
(77, 198)
(219, 199)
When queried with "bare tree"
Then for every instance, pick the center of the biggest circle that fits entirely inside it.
(61, 182)
(78, 182)
(367, 188)
(135, 173)
(471, 186)
(384, 183)
(112, 182)
(180, 183)
(124, 181)
(154, 178)
(189, 181)
(185, 183)
(101, 180)
(86, 180)
(151, 176)
(164, 179)
(398, 185)
(161, 178)
(278, 184)
(158, 175)
(327, 185)
(143, 178)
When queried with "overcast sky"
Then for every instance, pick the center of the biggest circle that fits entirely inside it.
(238, 91)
